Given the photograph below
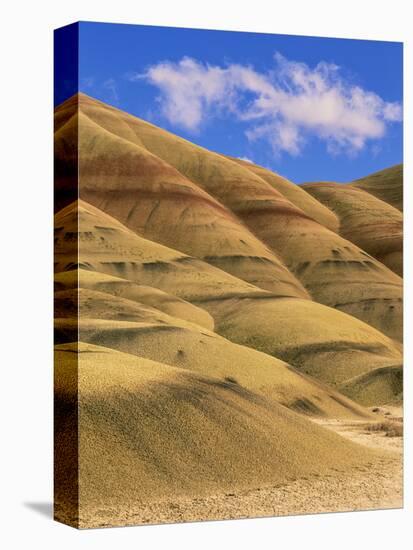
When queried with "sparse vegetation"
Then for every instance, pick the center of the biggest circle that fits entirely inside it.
(390, 428)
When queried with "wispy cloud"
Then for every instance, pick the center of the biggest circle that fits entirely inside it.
(111, 86)
(87, 82)
(285, 106)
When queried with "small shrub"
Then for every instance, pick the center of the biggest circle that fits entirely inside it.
(391, 429)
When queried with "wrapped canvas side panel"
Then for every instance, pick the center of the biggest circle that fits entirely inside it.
(66, 441)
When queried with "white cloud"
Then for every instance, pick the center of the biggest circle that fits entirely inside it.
(285, 106)
(246, 159)
(188, 90)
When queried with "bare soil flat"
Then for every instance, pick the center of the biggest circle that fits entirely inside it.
(376, 485)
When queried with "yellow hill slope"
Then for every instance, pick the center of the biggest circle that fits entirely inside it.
(295, 194)
(148, 430)
(333, 270)
(123, 288)
(66, 153)
(321, 341)
(379, 387)
(386, 185)
(288, 328)
(149, 196)
(366, 221)
(143, 331)
(87, 238)
(99, 305)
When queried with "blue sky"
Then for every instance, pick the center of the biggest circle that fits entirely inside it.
(309, 108)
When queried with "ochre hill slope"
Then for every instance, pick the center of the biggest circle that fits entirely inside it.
(86, 237)
(152, 198)
(66, 153)
(379, 387)
(140, 330)
(148, 430)
(295, 194)
(122, 288)
(370, 223)
(326, 343)
(386, 185)
(323, 342)
(333, 270)
(100, 305)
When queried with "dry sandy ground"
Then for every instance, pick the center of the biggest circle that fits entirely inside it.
(379, 485)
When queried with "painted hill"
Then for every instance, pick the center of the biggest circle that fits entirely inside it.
(379, 386)
(202, 203)
(301, 332)
(86, 237)
(370, 223)
(295, 194)
(386, 185)
(207, 312)
(122, 288)
(117, 173)
(144, 331)
(216, 436)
